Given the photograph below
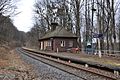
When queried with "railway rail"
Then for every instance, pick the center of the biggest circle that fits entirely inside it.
(70, 63)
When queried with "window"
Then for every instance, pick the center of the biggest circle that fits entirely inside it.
(70, 44)
(62, 44)
(48, 43)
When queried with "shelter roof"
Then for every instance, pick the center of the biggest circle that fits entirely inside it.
(59, 32)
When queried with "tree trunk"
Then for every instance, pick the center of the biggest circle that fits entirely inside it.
(108, 24)
(119, 38)
(113, 25)
(86, 20)
(103, 27)
(78, 22)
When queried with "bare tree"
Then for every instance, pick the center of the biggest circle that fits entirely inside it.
(94, 16)
(7, 8)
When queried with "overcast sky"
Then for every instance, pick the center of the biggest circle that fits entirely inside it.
(23, 21)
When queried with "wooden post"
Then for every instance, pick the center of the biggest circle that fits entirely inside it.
(69, 61)
(116, 72)
(99, 52)
(86, 65)
(57, 50)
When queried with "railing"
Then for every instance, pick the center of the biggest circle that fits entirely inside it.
(113, 53)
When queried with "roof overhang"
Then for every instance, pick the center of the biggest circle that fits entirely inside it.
(56, 37)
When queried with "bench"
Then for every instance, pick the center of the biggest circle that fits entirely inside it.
(73, 50)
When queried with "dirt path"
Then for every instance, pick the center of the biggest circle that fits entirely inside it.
(12, 67)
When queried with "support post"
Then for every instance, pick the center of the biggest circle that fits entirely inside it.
(57, 50)
(116, 72)
(86, 65)
(99, 52)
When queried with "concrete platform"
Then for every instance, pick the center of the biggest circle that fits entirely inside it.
(107, 61)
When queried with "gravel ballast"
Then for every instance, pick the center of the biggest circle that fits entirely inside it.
(46, 72)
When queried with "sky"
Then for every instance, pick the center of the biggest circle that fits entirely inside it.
(24, 20)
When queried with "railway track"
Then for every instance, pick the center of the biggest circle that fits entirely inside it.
(67, 66)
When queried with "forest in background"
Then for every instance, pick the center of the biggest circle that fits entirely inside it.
(91, 20)
(9, 34)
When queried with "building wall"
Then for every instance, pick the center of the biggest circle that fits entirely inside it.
(45, 45)
(57, 44)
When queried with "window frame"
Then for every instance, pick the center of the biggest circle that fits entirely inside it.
(49, 43)
(62, 43)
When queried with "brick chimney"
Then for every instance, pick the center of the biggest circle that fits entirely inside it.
(53, 26)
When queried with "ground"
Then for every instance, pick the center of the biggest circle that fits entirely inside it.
(12, 67)
(105, 59)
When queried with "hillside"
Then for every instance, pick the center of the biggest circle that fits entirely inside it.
(12, 67)
(9, 35)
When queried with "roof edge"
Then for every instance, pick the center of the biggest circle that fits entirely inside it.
(55, 37)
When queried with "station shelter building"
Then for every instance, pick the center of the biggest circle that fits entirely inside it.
(59, 39)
